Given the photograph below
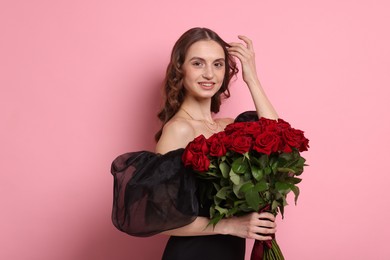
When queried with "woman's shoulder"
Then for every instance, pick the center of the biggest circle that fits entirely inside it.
(176, 133)
(223, 122)
(179, 127)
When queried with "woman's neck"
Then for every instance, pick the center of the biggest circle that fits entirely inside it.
(198, 109)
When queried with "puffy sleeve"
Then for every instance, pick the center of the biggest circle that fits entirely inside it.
(152, 193)
(248, 116)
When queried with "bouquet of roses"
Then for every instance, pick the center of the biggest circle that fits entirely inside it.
(250, 166)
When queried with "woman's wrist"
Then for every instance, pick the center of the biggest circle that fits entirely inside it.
(253, 82)
(222, 227)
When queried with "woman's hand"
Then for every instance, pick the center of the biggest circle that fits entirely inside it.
(245, 53)
(260, 226)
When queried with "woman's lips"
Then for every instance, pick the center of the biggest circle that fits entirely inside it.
(207, 85)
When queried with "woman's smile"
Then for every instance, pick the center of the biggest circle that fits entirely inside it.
(207, 85)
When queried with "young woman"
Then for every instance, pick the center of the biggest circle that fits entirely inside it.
(154, 192)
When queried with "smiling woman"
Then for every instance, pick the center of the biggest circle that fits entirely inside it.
(154, 192)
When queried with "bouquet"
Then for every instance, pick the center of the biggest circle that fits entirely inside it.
(250, 166)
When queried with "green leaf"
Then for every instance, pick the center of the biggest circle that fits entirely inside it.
(261, 186)
(237, 188)
(274, 206)
(296, 191)
(246, 186)
(232, 212)
(286, 156)
(216, 186)
(221, 210)
(216, 219)
(267, 170)
(238, 202)
(223, 192)
(281, 207)
(284, 169)
(301, 161)
(225, 169)
(252, 197)
(212, 212)
(217, 200)
(254, 160)
(257, 173)
(240, 165)
(282, 186)
(293, 180)
(235, 178)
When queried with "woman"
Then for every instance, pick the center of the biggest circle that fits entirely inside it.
(154, 193)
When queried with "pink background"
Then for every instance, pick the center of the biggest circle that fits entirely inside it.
(80, 85)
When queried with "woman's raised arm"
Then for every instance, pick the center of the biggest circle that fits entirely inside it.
(245, 53)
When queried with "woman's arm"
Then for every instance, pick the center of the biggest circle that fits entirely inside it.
(246, 55)
(258, 226)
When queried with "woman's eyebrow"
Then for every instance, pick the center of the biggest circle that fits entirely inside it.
(199, 58)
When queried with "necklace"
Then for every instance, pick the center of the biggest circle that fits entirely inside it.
(213, 127)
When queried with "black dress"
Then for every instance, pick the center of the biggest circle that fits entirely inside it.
(154, 193)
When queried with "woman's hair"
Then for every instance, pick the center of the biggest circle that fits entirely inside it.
(173, 88)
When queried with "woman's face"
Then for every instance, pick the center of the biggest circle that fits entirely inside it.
(204, 69)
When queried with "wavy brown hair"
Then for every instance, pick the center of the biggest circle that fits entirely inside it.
(173, 89)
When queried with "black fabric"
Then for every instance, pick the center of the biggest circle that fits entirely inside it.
(152, 193)
(212, 247)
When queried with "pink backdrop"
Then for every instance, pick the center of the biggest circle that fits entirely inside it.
(80, 85)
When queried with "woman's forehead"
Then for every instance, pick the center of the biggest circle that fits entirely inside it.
(205, 49)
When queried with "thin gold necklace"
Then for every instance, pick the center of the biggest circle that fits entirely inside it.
(213, 127)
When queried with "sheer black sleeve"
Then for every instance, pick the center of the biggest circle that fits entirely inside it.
(248, 116)
(152, 193)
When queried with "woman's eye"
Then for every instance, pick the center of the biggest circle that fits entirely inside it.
(197, 64)
(218, 64)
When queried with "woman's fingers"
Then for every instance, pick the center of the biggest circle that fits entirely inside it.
(266, 215)
(243, 51)
(262, 226)
(263, 230)
(248, 41)
(239, 47)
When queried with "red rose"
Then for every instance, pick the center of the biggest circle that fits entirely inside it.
(284, 147)
(267, 142)
(200, 162)
(265, 122)
(295, 138)
(302, 141)
(283, 124)
(234, 127)
(187, 157)
(252, 128)
(195, 148)
(228, 140)
(216, 144)
(241, 144)
(271, 128)
(198, 145)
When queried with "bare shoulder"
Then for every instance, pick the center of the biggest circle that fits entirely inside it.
(177, 133)
(223, 122)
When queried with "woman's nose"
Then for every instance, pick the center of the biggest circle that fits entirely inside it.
(208, 72)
